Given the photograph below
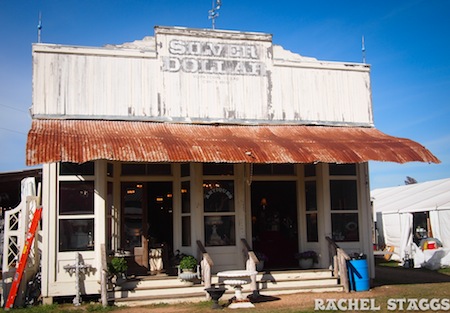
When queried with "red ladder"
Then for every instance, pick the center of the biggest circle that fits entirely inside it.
(23, 258)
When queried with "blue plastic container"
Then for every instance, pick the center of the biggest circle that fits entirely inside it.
(358, 273)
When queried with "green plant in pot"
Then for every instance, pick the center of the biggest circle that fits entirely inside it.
(118, 267)
(188, 263)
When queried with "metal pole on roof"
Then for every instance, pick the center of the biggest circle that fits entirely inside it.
(39, 27)
(363, 48)
(214, 12)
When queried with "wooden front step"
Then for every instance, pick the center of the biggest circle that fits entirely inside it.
(169, 289)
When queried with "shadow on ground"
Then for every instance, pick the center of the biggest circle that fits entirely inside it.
(386, 275)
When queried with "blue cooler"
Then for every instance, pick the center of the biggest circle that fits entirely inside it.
(358, 273)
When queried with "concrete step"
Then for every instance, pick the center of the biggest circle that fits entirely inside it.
(170, 289)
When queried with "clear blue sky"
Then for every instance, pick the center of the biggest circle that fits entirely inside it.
(407, 44)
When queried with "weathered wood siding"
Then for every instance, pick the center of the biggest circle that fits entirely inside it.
(198, 75)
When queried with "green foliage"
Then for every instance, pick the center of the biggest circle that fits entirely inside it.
(188, 262)
(117, 265)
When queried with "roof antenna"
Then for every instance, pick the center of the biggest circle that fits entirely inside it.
(363, 49)
(39, 27)
(213, 13)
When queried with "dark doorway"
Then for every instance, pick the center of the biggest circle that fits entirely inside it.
(274, 223)
(147, 225)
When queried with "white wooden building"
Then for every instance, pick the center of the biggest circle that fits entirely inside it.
(201, 135)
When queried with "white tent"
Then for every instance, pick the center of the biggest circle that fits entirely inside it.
(393, 211)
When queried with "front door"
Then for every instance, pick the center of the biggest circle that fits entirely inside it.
(147, 225)
(274, 222)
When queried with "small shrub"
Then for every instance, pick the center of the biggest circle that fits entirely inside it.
(117, 266)
(188, 262)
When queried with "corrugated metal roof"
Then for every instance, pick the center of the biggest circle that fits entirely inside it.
(84, 140)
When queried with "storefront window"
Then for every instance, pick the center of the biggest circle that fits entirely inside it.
(186, 231)
(344, 210)
(220, 230)
(345, 226)
(76, 197)
(68, 168)
(218, 169)
(342, 169)
(343, 195)
(219, 198)
(186, 213)
(311, 211)
(310, 170)
(144, 169)
(76, 234)
(273, 169)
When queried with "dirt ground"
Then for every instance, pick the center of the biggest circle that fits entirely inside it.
(389, 282)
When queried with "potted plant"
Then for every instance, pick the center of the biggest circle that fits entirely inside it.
(188, 263)
(307, 259)
(117, 268)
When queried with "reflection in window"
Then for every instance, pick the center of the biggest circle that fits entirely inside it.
(218, 196)
(76, 197)
(76, 234)
(220, 231)
(345, 226)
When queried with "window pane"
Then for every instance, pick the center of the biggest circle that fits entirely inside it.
(310, 170)
(311, 227)
(185, 170)
(311, 196)
(343, 195)
(109, 217)
(218, 196)
(186, 231)
(110, 170)
(133, 216)
(220, 231)
(218, 169)
(76, 235)
(342, 169)
(273, 169)
(345, 226)
(76, 197)
(68, 168)
(185, 197)
(136, 169)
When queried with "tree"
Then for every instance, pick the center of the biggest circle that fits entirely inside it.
(409, 180)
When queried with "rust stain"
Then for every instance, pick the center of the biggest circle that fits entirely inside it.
(85, 140)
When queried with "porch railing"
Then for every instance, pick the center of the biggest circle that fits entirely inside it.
(339, 260)
(250, 264)
(206, 264)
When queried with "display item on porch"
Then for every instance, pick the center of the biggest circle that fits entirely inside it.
(306, 259)
(117, 268)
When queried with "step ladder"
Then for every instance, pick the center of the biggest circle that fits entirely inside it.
(23, 258)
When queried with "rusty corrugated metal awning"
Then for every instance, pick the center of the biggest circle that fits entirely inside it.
(85, 140)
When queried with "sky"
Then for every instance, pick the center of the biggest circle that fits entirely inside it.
(407, 44)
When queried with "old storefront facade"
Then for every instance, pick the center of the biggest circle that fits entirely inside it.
(201, 135)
